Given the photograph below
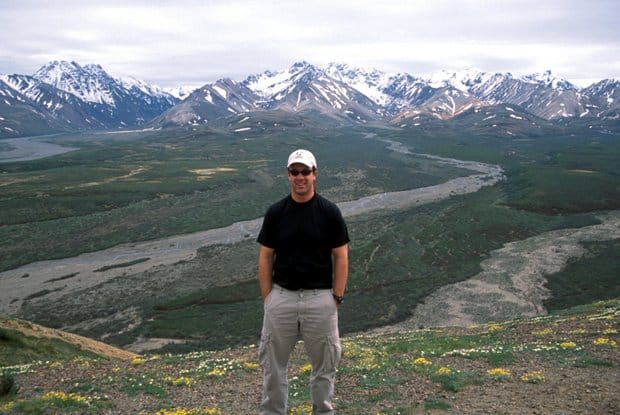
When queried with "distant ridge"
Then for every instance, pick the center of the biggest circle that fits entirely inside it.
(65, 96)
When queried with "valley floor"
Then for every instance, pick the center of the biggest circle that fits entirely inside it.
(94, 268)
(511, 283)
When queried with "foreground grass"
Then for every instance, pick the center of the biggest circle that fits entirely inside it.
(495, 368)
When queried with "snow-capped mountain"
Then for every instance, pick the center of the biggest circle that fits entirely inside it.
(212, 101)
(83, 97)
(446, 94)
(89, 83)
(115, 102)
(305, 87)
(604, 99)
(66, 96)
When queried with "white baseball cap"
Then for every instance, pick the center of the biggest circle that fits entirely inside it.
(302, 156)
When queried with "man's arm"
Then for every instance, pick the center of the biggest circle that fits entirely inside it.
(265, 270)
(340, 257)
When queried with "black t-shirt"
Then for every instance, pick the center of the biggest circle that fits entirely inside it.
(303, 235)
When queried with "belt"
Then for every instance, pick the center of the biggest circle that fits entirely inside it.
(276, 285)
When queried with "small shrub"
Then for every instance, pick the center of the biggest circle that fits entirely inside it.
(436, 403)
(453, 380)
(7, 384)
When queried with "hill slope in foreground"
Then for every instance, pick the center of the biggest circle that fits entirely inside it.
(566, 363)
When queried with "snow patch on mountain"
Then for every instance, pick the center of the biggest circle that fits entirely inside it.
(181, 92)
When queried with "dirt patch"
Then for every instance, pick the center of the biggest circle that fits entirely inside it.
(204, 174)
(582, 171)
(143, 345)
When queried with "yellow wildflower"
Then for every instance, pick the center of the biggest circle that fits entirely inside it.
(422, 361)
(250, 365)
(443, 371)
(194, 411)
(533, 377)
(137, 360)
(180, 381)
(64, 397)
(544, 332)
(499, 372)
(568, 345)
(304, 409)
(604, 341)
(217, 372)
(305, 368)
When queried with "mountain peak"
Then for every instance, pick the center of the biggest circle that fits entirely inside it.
(301, 66)
(89, 83)
(462, 80)
(549, 80)
(54, 70)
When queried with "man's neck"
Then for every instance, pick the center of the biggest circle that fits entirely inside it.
(302, 198)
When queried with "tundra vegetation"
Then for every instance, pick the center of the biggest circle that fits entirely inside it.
(135, 186)
(564, 362)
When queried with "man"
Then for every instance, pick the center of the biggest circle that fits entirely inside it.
(302, 271)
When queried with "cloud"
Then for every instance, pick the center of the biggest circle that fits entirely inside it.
(194, 42)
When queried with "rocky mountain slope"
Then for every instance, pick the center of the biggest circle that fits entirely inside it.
(64, 96)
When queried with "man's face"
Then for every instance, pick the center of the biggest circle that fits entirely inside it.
(302, 184)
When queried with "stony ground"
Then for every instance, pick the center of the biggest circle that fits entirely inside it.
(565, 364)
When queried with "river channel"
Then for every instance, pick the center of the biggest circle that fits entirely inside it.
(19, 283)
(30, 148)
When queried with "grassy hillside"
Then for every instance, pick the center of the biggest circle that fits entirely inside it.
(566, 362)
(23, 342)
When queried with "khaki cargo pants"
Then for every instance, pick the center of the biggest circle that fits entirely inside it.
(290, 316)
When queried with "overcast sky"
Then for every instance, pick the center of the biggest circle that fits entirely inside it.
(193, 42)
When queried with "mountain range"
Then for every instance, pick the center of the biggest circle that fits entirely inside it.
(65, 96)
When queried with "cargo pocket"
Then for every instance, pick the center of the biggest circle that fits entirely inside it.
(334, 350)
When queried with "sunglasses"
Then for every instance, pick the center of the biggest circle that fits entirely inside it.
(304, 172)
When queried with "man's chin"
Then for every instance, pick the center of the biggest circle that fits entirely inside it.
(302, 191)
